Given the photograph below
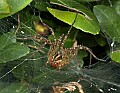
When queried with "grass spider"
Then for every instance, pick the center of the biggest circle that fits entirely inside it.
(58, 56)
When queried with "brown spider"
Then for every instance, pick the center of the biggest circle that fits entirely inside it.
(59, 56)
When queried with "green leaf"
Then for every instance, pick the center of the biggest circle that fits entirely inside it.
(86, 0)
(83, 23)
(15, 88)
(6, 39)
(3, 85)
(41, 4)
(75, 6)
(13, 51)
(15, 6)
(4, 7)
(116, 6)
(115, 55)
(109, 21)
(71, 4)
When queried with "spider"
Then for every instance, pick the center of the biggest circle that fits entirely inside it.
(58, 56)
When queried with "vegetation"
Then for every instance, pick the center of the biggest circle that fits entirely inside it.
(25, 26)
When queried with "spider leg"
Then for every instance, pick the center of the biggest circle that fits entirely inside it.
(47, 63)
(66, 36)
(41, 46)
(90, 51)
(53, 34)
(18, 24)
(51, 30)
(59, 42)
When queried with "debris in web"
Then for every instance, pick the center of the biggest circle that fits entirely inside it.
(71, 86)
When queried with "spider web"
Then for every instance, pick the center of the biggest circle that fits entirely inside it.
(31, 70)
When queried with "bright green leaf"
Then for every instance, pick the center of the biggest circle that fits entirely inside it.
(4, 7)
(15, 6)
(83, 23)
(13, 51)
(7, 38)
(115, 55)
(109, 21)
(73, 5)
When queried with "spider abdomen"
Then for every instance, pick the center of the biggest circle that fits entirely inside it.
(57, 64)
(57, 61)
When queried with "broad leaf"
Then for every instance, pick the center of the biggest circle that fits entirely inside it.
(15, 88)
(83, 23)
(87, 14)
(4, 7)
(115, 55)
(73, 5)
(41, 4)
(13, 51)
(7, 38)
(15, 6)
(116, 6)
(109, 21)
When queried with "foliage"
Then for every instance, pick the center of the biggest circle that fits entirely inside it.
(97, 27)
